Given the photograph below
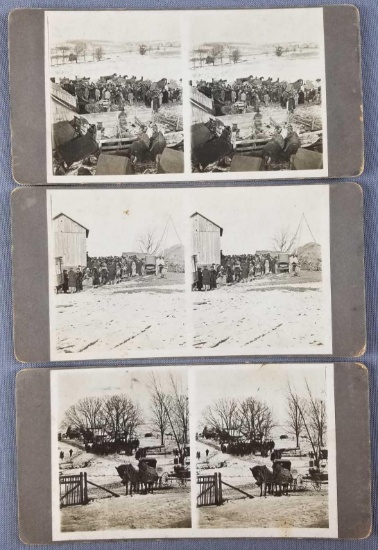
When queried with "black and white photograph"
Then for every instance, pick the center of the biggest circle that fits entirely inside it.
(260, 263)
(117, 273)
(120, 452)
(265, 450)
(114, 91)
(258, 93)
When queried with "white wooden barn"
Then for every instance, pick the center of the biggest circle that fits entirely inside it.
(70, 238)
(206, 237)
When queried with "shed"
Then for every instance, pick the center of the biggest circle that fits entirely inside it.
(206, 240)
(70, 238)
(202, 107)
(63, 104)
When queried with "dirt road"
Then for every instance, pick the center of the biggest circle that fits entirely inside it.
(274, 312)
(146, 313)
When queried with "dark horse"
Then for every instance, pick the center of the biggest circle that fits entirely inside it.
(264, 478)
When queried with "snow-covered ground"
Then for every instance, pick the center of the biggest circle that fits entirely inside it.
(307, 508)
(289, 67)
(278, 311)
(145, 313)
(168, 507)
(152, 66)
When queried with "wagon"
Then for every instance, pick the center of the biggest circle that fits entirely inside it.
(180, 475)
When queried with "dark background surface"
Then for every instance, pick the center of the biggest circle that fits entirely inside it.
(9, 366)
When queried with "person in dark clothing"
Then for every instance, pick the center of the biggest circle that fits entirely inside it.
(206, 278)
(213, 277)
(199, 279)
(65, 281)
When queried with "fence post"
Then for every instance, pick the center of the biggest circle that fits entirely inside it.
(81, 488)
(215, 488)
(85, 488)
(220, 488)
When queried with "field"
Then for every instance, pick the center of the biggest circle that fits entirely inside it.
(145, 313)
(302, 509)
(278, 311)
(167, 507)
(291, 66)
(152, 66)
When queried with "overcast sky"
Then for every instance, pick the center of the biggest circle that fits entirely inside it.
(266, 382)
(75, 384)
(116, 218)
(250, 216)
(113, 25)
(257, 27)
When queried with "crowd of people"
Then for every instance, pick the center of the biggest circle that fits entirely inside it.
(254, 92)
(114, 92)
(109, 271)
(241, 269)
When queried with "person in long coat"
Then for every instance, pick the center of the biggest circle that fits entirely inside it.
(111, 273)
(199, 279)
(79, 280)
(65, 281)
(206, 278)
(71, 280)
(213, 277)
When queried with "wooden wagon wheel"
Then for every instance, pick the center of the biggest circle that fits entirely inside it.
(164, 480)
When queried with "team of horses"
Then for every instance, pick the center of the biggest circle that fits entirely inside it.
(137, 478)
(276, 481)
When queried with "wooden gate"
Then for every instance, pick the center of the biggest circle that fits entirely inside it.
(210, 490)
(73, 490)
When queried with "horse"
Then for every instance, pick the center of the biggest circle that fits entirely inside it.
(129, 475)
(148, 476)
(282, 478)
(264, 478)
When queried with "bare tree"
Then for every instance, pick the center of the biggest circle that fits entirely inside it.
(201, 53)
(63, 50)
(78, 49)
(160, 403)
(122, 416)
(148, 242)
(314, 416)
(256, 418)
(223, 415)
(236, 55)
(86, 414)
(283, 240)
(99, 53)
(295, 420)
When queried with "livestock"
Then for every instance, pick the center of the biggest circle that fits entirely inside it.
(264, 478)
(282, 478)
(148, 476)
(129, 475)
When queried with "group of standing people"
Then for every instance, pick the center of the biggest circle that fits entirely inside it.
(253, 92)
(119, 91)
(241, 269)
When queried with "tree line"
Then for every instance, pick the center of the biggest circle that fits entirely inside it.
(251, 418)
(120, 418)
(217, 53)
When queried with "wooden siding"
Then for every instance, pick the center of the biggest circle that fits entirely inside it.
(63, 104)
(70, 241)
(201, 106)
(205, 241)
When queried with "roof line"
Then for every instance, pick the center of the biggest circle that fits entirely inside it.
(72, 220)
(202, 216)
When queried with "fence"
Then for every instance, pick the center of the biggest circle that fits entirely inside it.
(210, 490)
(73, 490)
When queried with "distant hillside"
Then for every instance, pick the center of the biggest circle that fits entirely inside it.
(175, 254)
(310, 256)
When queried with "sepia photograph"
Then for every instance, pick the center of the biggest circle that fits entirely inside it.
(265, 450)
(257, 92)
(260, 263)
(117, 273)
(120, 452)
(114, 93)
